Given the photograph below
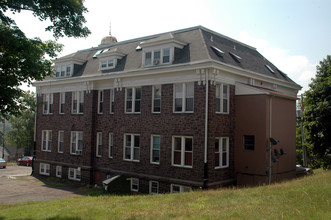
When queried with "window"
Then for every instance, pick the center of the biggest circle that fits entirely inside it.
(110, 151)
(74, 174)
(179, 188)
(153, 187)
(182, 151)
(106, 64)
(132, 147)
(132, 100)
(184, 97)
(222, 98)
(44, 169)
(46, 140)
(157, 57)
(134, 184)
(156, 99)
(63, 71)
(58, 171)
(62, 102)
(48, 103)
(60, 141)
(76, 142)
(249, 142)
(222, 152)
(77, 102)
(100, 102)
(112, 99)
(155, 149)
(99, 144)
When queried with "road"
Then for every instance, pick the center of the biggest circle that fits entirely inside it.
(16, 186)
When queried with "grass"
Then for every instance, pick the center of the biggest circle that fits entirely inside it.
(305, 198)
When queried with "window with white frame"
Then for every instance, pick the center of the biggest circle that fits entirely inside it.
(46, 140)
(58, 171)
(112, 100)
(182, 151)
(155, 149)
(222, 98)
(179, 188)
(107, 63)
(77, 102)
(62, 102)
(132, 147)
(76, 142)
(48, 103)
(64, 70)
(132, 100)
(221, 152)
(100, 102)
(156, 108)
(184, 97)
(110, 146)
(44, 169)
(99, 144)
(153, 187)
(60, 142)
(74, 174)
(157, 57)
(134, 184)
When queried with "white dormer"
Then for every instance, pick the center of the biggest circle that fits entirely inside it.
(108, 58)
(160, 50)
(64, 67)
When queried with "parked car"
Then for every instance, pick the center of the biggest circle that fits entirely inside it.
(3, 163)
(25, 161)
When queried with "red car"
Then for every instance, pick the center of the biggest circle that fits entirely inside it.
(25, 161)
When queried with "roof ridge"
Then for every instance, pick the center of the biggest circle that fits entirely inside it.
(204, 43)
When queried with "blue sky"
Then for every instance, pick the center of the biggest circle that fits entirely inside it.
(293, 34)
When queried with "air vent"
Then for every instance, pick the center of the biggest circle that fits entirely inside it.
(138, 48)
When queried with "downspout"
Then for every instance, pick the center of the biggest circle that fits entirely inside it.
(34, 135)
(205, 176)
(270, 135)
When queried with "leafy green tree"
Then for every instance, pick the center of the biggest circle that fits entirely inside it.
(22, 133)
(23, 60)
(317, 114)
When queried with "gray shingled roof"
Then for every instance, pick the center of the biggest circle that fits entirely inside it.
(198, 48)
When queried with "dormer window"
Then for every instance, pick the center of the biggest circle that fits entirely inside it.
(106, 64)
(109, 58)
(64, 70)
(157, 57)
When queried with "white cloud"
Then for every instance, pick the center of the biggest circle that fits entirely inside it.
(297, 67)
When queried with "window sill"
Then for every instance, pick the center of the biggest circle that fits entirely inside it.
(180, 166)
(136, 161)
(218, 168)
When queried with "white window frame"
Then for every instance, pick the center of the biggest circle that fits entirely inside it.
(99, 144)
(134, 184)
(111, 101)
(62, 102)
(110, 145)
(131, 147)
(76, 172)
(60, 141)
(133, 101)
(152, 149)
(78, 148)
(220, 95)
(58, 171)
(222, 151)
(182, 152)
(154, 99)
(183, 97)
(44, 169)
(159, 61)
(107, 61)
(77, 96)
(181, 188)
(63, 68)
(48, 104)
(152, 188)
(100, 101)
(46, 140)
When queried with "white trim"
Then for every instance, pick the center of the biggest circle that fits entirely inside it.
(59, 141)
(181, 188)
(110, 145)
(48, 139)
(182, 151)
(184, 97)
(77, 173)
(131, 147)
(151, 186)
(131, 184)
(101, 97)
(153, 98)
(99, 143)
(133, 101)
(151, 151)
(220, 153)
(77, 150)
(62, 97)
(44, 169)
(221, 97)
(57, 171)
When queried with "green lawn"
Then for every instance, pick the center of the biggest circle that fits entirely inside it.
(305, 198)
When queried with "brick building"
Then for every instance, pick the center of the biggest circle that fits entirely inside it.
(174, 111)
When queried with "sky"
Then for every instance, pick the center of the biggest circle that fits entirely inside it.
(293, 34)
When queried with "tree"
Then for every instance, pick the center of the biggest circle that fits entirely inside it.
(23, 60)
(317, 113)
(22, 133)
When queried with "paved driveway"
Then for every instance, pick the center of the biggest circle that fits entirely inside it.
(16, 185)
